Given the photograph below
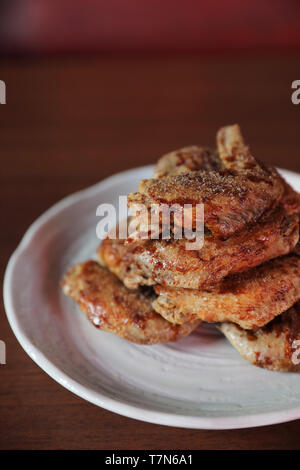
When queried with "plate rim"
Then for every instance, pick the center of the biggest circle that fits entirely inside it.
(97, 398)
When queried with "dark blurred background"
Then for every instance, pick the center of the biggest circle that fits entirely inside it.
(151, 25)
(96, 87)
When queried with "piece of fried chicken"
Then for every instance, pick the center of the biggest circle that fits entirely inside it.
(250, 299)
(236, 190)
(272, 347)
(113, 308)
(187, 159)
(195, 158)
(167, 262)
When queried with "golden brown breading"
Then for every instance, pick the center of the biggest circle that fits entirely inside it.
(251, 299)
(231, 202)
(167, 262)
(195, 158)
(270, 347)
(233, 197)
(187, 159)
(113, 308)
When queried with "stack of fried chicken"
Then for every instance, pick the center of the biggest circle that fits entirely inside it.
(245, 278)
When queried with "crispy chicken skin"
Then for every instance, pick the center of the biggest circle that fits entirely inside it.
(113, 308)
(187, 159)
(167, 262)
(250, 299)
(234, 196)
(270, 347)
(195, 158)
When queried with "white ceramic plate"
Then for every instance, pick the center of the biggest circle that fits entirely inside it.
(198, 382)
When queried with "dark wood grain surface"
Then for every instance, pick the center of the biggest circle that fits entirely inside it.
(70, 122)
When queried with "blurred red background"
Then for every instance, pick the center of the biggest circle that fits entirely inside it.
(150, 25)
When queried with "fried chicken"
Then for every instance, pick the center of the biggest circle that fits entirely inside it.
(195, 158)
(250, 299)
(187, 159)
(111, 307)
(234, 196)
(245, 278)
(272, 347)
(167, 262)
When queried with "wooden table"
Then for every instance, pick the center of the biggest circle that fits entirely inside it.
(70, 122)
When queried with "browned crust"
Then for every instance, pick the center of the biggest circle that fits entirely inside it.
(251, 299)
(167, 262)
(113, 308)
(187, 159)
(270, 347)
(235, 194)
